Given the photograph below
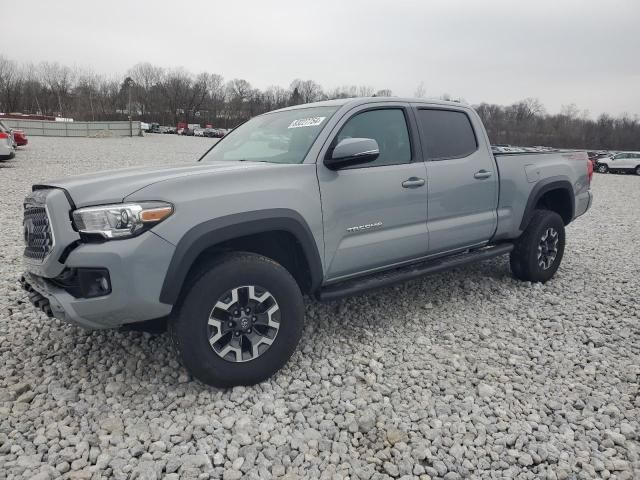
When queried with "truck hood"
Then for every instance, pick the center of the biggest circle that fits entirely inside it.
(112, 186)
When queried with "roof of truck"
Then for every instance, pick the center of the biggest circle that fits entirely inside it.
(362, 100)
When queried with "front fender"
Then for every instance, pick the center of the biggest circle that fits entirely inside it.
(212, 232)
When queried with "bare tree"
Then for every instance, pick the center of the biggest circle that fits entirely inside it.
(11, 84)
(385, 92)
(420, 91)
(309, 90)
(365, 91)
(175, 87)
(146, 77)
(60, 80)
(216, 94)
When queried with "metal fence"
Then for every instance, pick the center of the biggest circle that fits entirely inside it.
(49, 128)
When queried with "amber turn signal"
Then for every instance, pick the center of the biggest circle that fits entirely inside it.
(155, 214)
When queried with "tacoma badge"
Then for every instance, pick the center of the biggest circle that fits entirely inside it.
(360, 228)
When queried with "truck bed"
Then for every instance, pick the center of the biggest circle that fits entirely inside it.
(537, 170)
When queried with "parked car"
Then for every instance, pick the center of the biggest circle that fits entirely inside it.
(19, 138)
(623, 162)
(214, 132)
(338, 208)
(188, 132)
(7, 144)
(198, 132)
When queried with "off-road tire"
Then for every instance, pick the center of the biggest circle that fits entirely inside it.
(524, 259)
(189, 325)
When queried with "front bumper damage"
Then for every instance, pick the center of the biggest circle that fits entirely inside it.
(135, 269)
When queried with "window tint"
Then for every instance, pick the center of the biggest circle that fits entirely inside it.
(446, 134)
(387, 127)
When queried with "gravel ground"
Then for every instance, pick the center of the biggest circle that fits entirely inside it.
(467, 374)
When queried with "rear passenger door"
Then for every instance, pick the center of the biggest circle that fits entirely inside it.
(462, 179)
(374, 214)
(620, 161)
(630, 161)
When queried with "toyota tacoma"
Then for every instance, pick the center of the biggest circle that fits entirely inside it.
(326, 199)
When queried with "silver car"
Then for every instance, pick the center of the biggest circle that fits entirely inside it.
(7, 145)
(626, 162)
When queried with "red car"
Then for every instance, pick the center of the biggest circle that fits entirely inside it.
(19, 137)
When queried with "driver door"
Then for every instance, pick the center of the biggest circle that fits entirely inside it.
(374, 214)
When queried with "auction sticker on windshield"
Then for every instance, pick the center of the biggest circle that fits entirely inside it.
(307, 122)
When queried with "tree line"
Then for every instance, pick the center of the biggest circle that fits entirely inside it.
(155, 94)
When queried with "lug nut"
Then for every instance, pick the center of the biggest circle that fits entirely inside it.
(249, 331)
(247, 310)
(230, 324)
(236, 313)
(237, 334)
(254, 318)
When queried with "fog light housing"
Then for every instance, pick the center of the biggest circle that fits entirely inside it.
(94, 282)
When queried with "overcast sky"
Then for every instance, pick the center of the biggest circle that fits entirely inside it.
(585, 52)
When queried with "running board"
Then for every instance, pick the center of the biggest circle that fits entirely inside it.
(409, 272)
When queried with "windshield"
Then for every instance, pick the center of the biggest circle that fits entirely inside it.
(279, 137)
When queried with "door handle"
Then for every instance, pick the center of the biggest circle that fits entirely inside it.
(413, 182)
(482, 174)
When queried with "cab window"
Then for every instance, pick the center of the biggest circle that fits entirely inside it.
(386, 126)
(446, 134)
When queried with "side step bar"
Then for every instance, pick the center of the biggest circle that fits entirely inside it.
(409, 272)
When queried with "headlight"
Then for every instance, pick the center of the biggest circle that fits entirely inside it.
(121, 220)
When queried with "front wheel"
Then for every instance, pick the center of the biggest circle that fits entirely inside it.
(239, 322)
(637, 170)
(602, 168)
(539, 250)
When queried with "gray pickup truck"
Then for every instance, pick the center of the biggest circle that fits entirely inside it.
(327, 199)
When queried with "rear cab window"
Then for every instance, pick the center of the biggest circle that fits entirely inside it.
(446, 134)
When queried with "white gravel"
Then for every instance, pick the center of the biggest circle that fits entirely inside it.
(468, 374)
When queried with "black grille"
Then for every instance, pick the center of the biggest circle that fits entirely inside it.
(37, 232)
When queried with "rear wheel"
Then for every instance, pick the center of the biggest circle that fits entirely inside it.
(602, 168)
(539, 251)
(240, 321)
(637, 170)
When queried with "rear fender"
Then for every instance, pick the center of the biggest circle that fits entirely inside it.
(543, 186)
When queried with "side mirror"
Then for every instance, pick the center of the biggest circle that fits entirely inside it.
(352, 151)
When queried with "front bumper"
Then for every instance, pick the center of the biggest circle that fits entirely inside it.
(137, 268)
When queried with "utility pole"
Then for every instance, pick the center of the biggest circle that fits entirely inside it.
(93, 118)
(129, 86)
